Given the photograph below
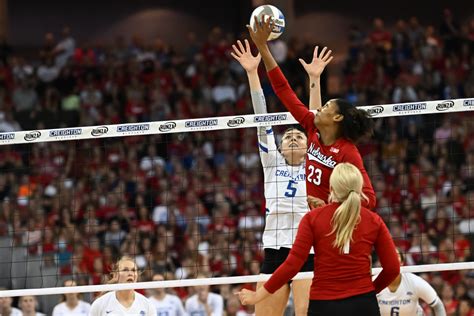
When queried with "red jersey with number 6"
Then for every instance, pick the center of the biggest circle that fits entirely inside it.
(320, 159)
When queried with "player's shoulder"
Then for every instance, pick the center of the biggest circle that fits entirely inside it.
(373, 216)
(103, 298)
(141, 297)
(413, 278)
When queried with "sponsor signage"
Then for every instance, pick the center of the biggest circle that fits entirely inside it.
(236, 121)
(166, 127)
(31, 136)
(375, 110)
(445, 105)
(99, 131)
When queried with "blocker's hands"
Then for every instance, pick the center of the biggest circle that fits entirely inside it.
(316, 67)
(243, 55)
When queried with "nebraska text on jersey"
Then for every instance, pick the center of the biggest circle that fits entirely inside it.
(314, 154)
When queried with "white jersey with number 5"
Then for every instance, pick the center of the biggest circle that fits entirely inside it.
(285, 187)
(404, 301)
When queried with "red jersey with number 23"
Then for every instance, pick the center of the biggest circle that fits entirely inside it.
(320, 159)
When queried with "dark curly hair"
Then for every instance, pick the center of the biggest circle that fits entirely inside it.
(356, 124)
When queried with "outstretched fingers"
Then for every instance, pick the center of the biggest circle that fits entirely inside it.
(315, 53)
(247, 45)
(236, 51)
(242, 49)
(321, 55)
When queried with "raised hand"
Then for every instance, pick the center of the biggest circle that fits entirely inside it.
(316, 67)
(244, 56)
(262, 31)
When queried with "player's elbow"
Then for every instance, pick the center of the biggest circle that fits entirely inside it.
(392, 270)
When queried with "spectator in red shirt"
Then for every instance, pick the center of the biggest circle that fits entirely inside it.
(342, 234)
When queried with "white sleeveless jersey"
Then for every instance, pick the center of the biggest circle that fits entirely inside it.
(404, 301)
(82, 309)
(170, 305)
(108, 305)
(285, 187)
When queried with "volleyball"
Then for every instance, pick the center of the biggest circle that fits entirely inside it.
(275, 14)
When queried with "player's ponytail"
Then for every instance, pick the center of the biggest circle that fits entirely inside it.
(346, 188)
(356, 124)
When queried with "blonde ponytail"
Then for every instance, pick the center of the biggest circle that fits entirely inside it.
(346, 187)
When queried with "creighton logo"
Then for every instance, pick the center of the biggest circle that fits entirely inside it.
(201, 123)
(133, 128)
(314, 154)
(409, 107)
(269, 118)
(7, 136)
(469, 102)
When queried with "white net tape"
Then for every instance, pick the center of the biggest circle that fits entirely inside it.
(213, 281)
(219, 123)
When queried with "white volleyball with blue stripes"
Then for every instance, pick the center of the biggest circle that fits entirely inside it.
(273, 13)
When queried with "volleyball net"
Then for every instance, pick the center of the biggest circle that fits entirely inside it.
(185, 197)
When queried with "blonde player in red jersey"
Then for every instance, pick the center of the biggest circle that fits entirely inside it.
(343, 235)
(285, 194)
(332, 130)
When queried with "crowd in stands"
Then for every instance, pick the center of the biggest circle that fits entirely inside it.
(191, 203)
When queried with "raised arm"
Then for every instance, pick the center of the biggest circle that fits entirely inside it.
(279, 83)
(314, 70)
(266, 140)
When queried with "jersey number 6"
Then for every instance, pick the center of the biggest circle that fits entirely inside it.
(314, 175)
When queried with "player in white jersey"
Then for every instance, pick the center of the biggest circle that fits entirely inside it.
(124, 302)
(6, 306)
(204, 303)
(28, 305)
(166, 304)
(285, 194)
(72, 305)
(401, 297)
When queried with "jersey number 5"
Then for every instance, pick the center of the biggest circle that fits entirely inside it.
(314, 175)
(290, 189)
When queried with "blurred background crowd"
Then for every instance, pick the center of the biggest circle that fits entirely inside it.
(190, 203)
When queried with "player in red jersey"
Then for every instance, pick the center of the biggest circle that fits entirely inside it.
(343, 234)
(332, 130)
